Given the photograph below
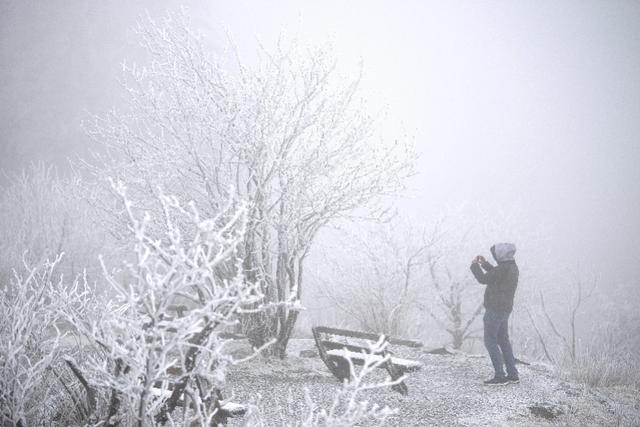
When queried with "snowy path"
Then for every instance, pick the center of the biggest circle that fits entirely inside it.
(447, 391)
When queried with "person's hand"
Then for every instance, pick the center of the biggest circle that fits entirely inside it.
(481, 259)
(476, 260)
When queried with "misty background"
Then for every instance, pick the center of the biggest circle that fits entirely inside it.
(522, 110)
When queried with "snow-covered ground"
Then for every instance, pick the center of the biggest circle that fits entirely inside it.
(448, 390)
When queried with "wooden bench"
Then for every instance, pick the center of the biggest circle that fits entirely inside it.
(335, 346)
(164, 389)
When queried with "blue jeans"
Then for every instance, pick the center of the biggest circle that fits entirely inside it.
(496, 340)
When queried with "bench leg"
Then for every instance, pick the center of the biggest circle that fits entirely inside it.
(342, 370)
(395, 373)
(339, 369)
(401, 388)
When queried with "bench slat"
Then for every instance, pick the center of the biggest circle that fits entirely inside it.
(332, 345)
(367, 336)
(355, 356)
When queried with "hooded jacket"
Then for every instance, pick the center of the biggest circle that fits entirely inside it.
(501, 280)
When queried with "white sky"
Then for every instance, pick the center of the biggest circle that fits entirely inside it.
(517, 105)
(527, 105)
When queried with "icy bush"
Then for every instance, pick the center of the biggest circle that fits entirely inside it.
(30, 344)
(158, 339)
(347, 408)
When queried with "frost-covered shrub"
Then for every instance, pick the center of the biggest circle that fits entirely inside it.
(72, 358)
(598, 368)
(146, 352)
(30, 345)
(348, 407)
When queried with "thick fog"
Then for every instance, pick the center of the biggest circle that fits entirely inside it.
(512, 105)
(273, 166)
(517, 110)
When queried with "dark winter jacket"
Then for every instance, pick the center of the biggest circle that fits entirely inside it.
(501, 280)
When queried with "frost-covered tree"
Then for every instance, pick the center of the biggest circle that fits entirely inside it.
(41, 213)
(457, 303)
(289, 135)
(399, 277)
(375, 277)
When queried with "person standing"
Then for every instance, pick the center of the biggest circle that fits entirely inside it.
(501, 282)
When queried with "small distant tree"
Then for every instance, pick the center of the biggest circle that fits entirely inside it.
(456, 301)
(375, 277)
(565, 332)
(40, 214)
(395, 276)
(289, 136)
(457, 305)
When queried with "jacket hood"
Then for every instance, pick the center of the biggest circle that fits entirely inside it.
(503, 251)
